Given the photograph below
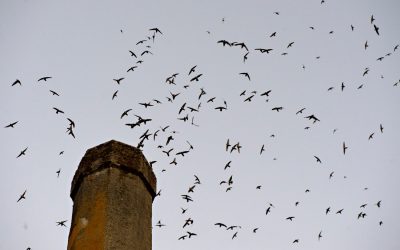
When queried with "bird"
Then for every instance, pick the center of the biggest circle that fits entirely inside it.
(371, 136)
(318, 159)
(132, 68)
(300, 111)
(262, 149)
(159, 224)
(248, 99)
(273, 34)
(58, 172)
(266, 93)
(190, 234)
(339, 211)
(182, 153)
(290, 45)
(331, 175)
(22, 152)
(118, 81)
(219, 224)
(290, 218)
(22, 196)
(196, 78)
(277, 109)
(61, 223)
(45, 78)
(156, 30)
(320, 235)
(114, 95)
(264, 50)
(245, 57)
(234, 235)
(344, 148)
(245, 74)
(188, 222)
(255, 230)
(342, 86)
(146, 52)
(16, 82)
(58, 110)
(182, 237)
(11, 125)
(378, 204)
(224, 42)
(132, 53)
(197, 180)
(268, 211)
(381, 128)
(53, 92)
(296, 241)
(376, 28)
(327, 210)
(372, 19)
(192, 70)
(227, 165)
(186, 197)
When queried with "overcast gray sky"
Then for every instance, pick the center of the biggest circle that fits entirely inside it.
(84, 45)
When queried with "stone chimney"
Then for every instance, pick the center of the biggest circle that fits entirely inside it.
(112, 190)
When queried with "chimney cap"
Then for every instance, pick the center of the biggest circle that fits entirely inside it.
(115, 154)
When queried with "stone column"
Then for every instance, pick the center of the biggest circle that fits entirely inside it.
(112, 190)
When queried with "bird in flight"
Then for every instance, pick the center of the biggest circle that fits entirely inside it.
(277, 109)
(317, 158)
(44, 78)
(156, 30)
(58, 110)
(61, 223)
(196, 78)
(224, 42)
(192, 70)
(376, 28)
(264, 50)
(114, 95)
(344, 148)
(11, 125)
(22, 196)
(22, 152)
(16, 82)
(125, 113)
(118, 81)
(54, 93)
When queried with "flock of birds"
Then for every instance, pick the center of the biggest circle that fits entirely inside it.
(165, 135)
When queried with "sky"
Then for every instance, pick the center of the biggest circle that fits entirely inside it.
(84, 45)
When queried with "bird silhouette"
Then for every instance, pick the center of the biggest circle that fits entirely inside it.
(11, 125)
(245, 74)
(45, 78)
(22, 196)
(318, 159)
(22, 152)
(376, 28)
(196, 78)
(61, 223)
(58, 110)
(118, 81)
(16, 82)
(114, 95)
(192, 70)
(156, 30)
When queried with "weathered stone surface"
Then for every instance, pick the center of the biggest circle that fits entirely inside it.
(112, 190)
